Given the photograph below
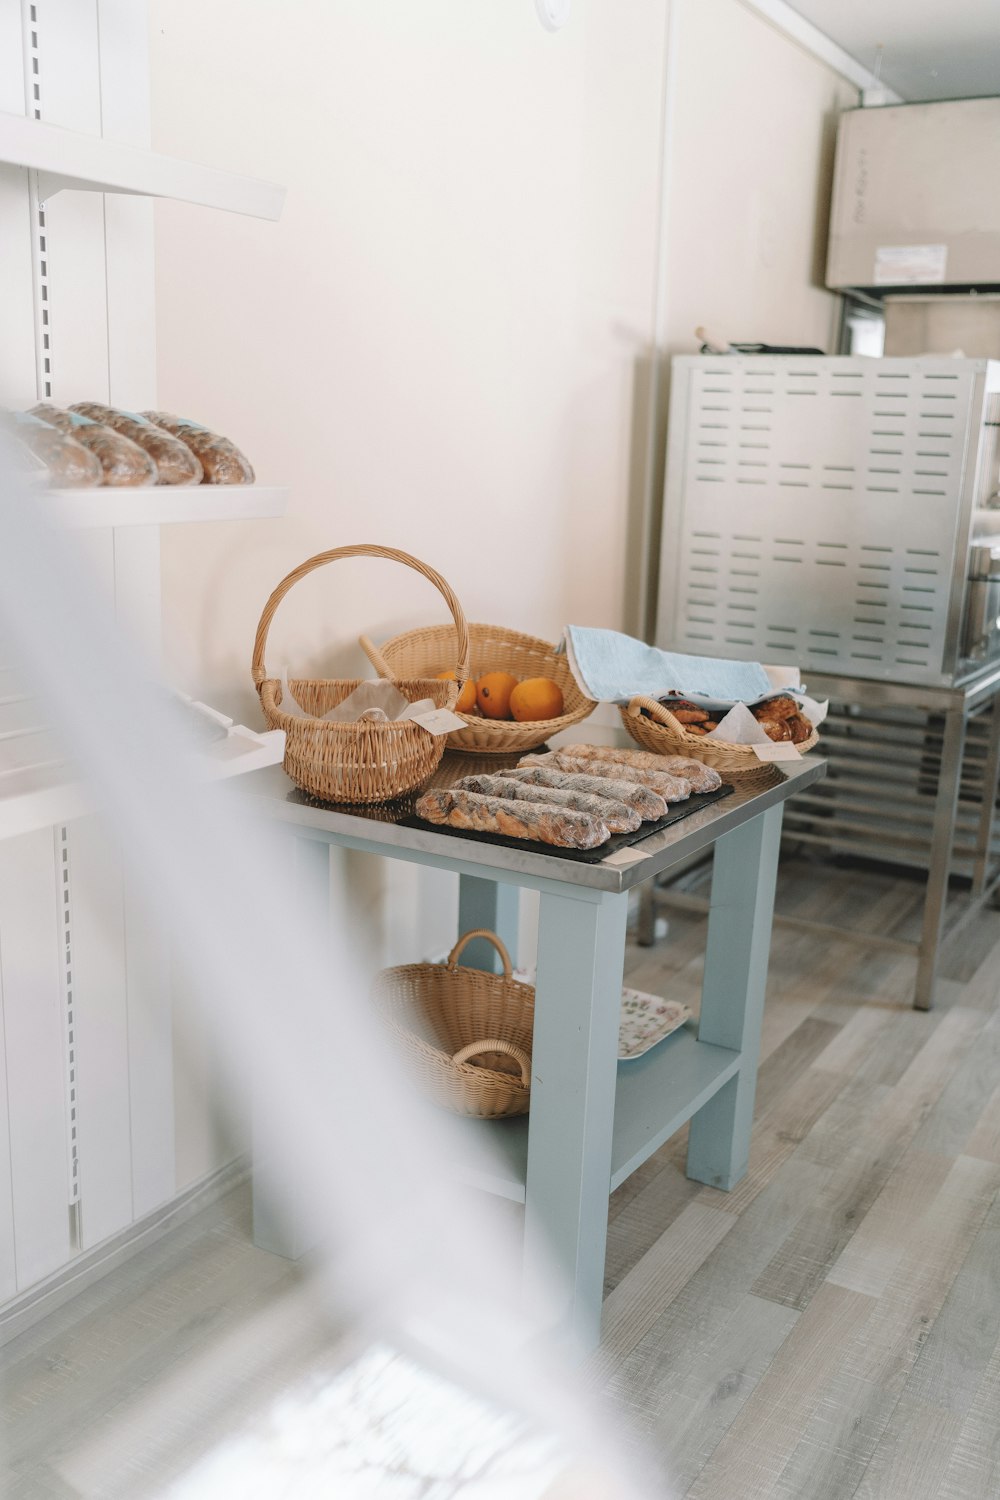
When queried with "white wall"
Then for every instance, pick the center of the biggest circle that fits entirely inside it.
(446, 343)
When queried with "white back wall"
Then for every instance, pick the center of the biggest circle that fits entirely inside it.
(445, 345)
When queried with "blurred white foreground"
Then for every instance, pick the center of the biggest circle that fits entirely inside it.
(439, 1382)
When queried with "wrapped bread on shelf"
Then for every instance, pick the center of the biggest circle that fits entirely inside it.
(71, 466)
(221, 460)
(543, 822)
(175, 462)
(123, 463)
(619, 817)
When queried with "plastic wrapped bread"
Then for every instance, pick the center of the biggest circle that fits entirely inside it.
(670, 788)
(220, 459)
(647, 803)
(702, 778)
(543, 822)
(619, 817)
(71, 466)
(175, 462)
(123, 463)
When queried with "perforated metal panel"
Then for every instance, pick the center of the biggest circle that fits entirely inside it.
(817, 511)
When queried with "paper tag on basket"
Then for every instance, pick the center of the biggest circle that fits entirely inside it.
(439, 721)
(776, 750)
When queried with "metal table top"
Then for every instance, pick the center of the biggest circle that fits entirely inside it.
(378, 830)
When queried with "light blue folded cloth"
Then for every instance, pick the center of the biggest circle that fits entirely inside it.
(613, 668)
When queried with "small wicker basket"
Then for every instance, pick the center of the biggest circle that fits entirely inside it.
(494, 648)
(363, 762)
(444, 1016)
(652, 725)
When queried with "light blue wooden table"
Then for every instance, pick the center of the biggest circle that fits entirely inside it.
(593, 1120)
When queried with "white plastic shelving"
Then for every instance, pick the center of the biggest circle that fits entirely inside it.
(41, 796)
(74, 159)
(162, 505)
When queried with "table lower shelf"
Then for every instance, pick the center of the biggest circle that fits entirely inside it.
(656, 1094)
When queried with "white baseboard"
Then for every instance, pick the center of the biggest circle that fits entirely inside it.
(43, 1298)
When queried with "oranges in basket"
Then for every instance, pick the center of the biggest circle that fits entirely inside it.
(499, 695)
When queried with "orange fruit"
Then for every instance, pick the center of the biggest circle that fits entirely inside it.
(536, 698)
(493, 692)
(467, 694)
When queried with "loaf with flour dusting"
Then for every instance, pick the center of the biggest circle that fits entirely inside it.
(541, 821)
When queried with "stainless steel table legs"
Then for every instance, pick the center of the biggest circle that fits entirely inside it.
(942, 839)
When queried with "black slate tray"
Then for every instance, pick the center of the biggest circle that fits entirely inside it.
(678, 810)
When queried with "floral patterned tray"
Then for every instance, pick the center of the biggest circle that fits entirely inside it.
(645, 1019)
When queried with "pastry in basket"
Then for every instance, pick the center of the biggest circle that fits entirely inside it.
(543, 822)
(619, 817)
(800, 727)
(648, 804)
(684, 712)
(670, 788)
(782, 707)
(702, 778)
(776, 729)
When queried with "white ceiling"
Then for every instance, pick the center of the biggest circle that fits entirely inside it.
(933, 49)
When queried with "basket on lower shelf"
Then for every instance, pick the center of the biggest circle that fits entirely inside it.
(493, 648)
(443, 1016)
(363, 762)
(652, 725)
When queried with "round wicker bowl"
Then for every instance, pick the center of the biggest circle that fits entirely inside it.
(493, 648)
(363, 762)
(653, 726)
(443, 1016)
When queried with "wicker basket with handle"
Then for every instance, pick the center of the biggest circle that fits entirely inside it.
(654, 726)
(363, 762)
(444, 1016)
(493, 648)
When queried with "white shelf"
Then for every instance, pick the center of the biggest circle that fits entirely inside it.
(72, 159)
(41, 796)
(163, 504)
(656, 1094)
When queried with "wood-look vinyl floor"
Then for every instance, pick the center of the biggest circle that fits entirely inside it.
(830, 1329)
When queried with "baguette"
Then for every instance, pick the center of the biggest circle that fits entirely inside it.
(647, 803)
(175, 462)
(702, 778)
(619, 817)
(542, 822)
(670, 788)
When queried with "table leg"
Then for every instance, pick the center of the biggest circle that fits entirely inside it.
(732, 997)
(487, 903)
(581, 953)
(942, 839)
(290, 1230)
(987, 812)
(646, 928)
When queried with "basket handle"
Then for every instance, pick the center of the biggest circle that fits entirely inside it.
(655, 710)
(376, 658)
(257, 668)
(491, 937)
(495, 1044)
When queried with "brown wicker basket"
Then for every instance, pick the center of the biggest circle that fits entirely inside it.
(493, 648)
(444, 1016)
(362, 762)
(652, 725)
